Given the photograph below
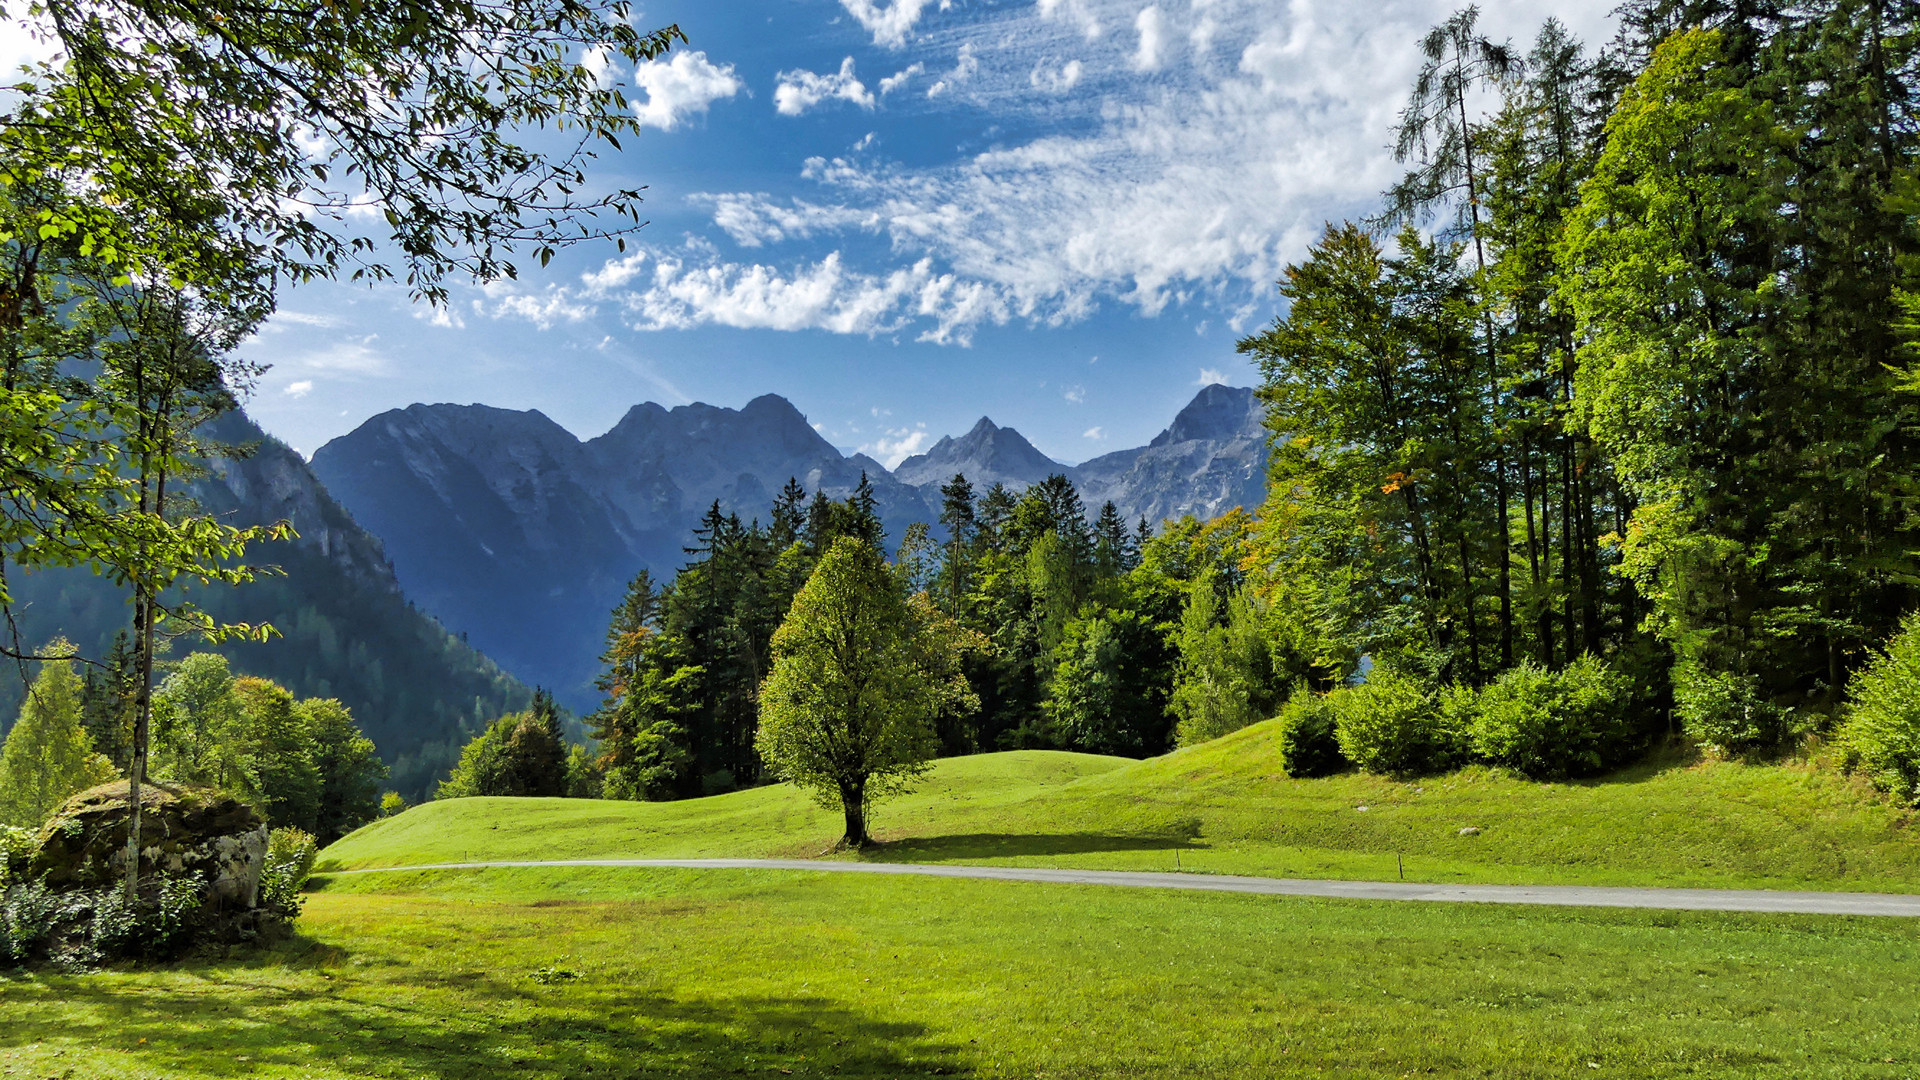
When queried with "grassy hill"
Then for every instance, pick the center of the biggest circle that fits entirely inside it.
(1226, 807)
(667, 974)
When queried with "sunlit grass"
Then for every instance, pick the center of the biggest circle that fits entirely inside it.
(646, 973)
(1227, 807)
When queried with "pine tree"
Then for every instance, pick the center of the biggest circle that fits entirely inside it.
(789, 514)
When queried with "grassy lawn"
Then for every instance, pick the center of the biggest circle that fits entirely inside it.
(1226, 807)
(703, 974)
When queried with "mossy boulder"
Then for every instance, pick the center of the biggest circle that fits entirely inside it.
(183, 831)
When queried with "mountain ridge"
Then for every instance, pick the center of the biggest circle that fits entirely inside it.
(521, 535)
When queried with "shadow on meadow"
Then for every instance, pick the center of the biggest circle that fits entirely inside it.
(237, 1018)
(961, 846)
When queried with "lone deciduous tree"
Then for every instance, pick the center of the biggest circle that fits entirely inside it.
(860, 671)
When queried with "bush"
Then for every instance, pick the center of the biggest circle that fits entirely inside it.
(290, 858)
(392, 804)
(1392, 725)
(1881, 734)
(1546, 724)
(1727, 711)
(16, 847)
(28, 912)
(156, 927)
(1308, 743)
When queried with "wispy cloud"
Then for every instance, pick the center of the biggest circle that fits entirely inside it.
(1095, 433)
(1210, 376)
(298, 389)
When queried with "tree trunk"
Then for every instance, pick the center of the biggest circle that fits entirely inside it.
(143, 607)
(853, 800)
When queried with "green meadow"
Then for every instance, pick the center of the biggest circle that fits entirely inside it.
(647, 973)
(1227, 807)
(651, 973)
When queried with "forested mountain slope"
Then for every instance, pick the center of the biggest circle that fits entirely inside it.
(417, 690)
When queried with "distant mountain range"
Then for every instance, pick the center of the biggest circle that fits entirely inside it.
(521, 537)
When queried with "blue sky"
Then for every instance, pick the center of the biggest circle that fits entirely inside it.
(905, 214)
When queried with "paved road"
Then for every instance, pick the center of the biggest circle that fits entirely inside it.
(1808, 903)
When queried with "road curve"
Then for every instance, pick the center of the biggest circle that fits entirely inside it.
(1757, 900)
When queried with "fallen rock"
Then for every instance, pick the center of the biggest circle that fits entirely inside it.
(213, 837)
(202, 855)
(1471, 830)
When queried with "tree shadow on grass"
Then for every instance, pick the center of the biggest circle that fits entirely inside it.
(963, 846)
(237, 1019)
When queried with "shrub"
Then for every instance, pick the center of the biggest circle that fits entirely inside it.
(1391, 724)
(290, 858)
(1881, 734)
(155, 927)
(28, 912)
(1727, 711)
(16, 847)
(392, 804)
(1547, 724)
(1308, 743)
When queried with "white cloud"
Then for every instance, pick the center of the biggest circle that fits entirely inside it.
(802, 90)
(1075, 394)
(1076, 12)
(298, 389)
(753, 220)
(965, 66)
(439, 315)
(1153, 40)
(613, 274)
(899, 79)
(1094, 433)
(897, 445)
(889, 22)
(337, 358)
(26, 37)
(680, 87)
(1056, 80)
(1193, 188)
(303, 318)
(1209, 376)
(554, 304)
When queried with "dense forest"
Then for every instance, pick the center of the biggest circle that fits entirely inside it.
(1600, 431)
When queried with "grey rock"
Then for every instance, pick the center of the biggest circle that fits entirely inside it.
(212, 837)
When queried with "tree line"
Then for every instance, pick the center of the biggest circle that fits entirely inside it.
(302, 762)
(1089, 638)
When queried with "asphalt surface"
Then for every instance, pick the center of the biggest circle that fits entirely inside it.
(1799, 903)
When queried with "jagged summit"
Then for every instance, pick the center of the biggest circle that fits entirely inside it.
(987, 454)
(512, 530)
(1218, 412)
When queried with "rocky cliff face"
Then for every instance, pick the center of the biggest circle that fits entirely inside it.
(1212, 458)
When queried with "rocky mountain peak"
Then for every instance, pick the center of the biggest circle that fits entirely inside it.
(987, 454)
(1218, 412)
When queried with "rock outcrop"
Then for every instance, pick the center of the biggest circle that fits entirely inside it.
(213, 838)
